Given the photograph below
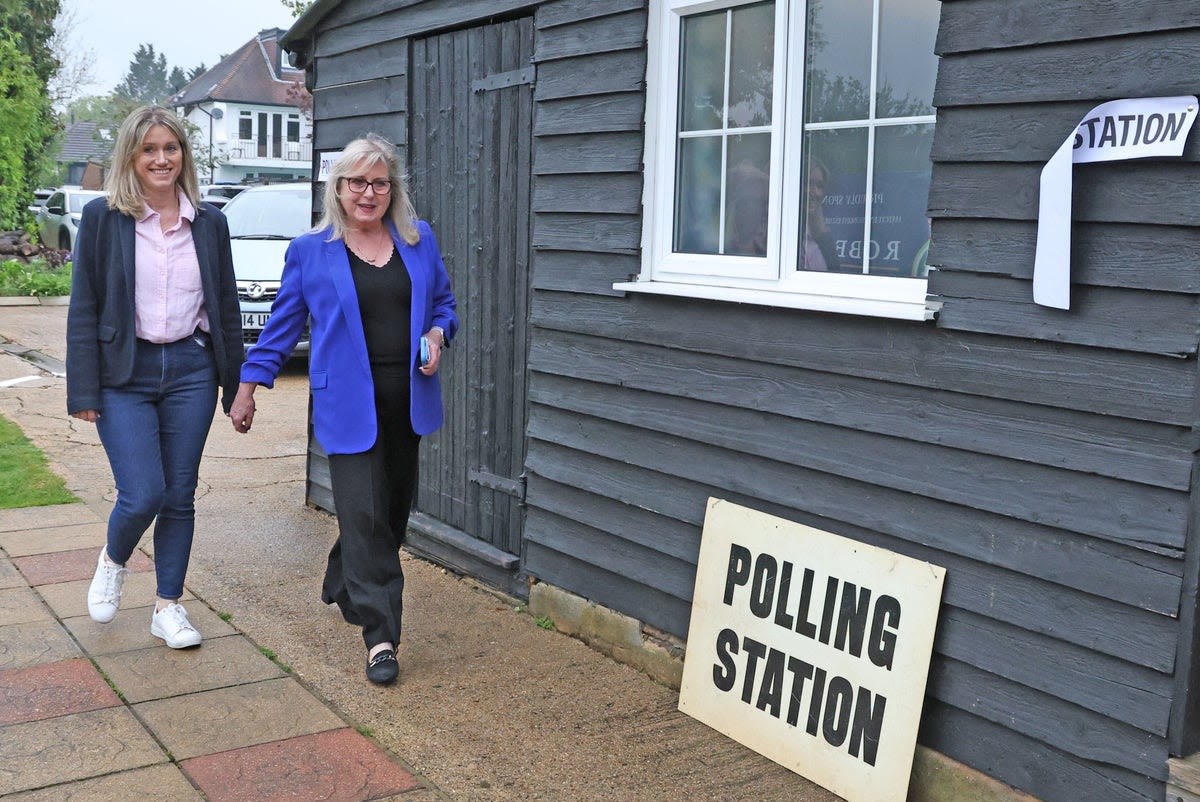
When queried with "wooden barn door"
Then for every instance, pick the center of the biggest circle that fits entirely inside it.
(471, 126)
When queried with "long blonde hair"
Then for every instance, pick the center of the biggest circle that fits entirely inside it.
(360, 155)
(124, 188)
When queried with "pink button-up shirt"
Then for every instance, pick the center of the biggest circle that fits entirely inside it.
(168, 297)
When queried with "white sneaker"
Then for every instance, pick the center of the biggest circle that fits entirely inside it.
(104, 594)
(172, 625)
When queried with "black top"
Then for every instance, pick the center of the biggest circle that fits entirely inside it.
(385, 302)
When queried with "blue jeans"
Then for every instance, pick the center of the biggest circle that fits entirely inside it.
(153, 430)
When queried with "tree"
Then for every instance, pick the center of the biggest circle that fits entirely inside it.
(26, 125)
(147, 80)
(297, 7)
(196, 72)
(27, 121)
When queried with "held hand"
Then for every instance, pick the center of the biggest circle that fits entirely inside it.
(436, 344)
(241, 413)
(89, 415)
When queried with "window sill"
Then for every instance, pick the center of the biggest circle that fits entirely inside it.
(914, 307)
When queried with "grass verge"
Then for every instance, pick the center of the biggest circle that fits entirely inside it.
(25, 478)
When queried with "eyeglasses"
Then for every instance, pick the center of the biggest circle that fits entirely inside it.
(382, 186)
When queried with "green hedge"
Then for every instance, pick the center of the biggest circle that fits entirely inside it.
(38, 277)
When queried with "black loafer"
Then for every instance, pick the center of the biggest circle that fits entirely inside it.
(382, 669)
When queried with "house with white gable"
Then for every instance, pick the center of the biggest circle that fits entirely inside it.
(251, 109)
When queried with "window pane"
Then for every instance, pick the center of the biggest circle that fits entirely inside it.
(702, 72)
(907, 65)
(838, 60)
(698, 195)
(746, 195)
(751, 64)
(833, 220)
(899, 225)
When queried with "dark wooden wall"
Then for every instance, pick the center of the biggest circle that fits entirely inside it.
(1045, 458)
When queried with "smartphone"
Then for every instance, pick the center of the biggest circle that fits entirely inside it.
(424, 351)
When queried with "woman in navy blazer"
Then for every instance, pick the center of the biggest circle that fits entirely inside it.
(370, 282)
(153, 331)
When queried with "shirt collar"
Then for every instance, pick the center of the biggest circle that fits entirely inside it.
(186, 210)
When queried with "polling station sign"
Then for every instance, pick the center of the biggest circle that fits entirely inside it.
(811, 649)
(1135, 128)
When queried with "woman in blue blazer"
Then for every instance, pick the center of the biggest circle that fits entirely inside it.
(370, 281)
(153, 331)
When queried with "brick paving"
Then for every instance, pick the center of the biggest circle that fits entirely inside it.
(104, 712)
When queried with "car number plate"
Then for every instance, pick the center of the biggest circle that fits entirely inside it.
(254, 320)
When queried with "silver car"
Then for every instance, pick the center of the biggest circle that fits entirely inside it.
(58, 220)
(263, 221)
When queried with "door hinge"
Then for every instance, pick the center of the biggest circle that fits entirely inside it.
(502, 484)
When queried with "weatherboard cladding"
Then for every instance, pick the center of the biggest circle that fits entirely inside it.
(1045, 458)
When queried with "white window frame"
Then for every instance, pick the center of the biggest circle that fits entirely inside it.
(772, 280)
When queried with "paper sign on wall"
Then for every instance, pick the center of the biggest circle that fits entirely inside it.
(327, 160)
(1136, 128)
(811, 649)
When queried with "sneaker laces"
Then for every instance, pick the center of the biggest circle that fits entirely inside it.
(113, 574)
(177, 616)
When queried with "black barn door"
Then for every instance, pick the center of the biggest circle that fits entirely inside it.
(471, 126)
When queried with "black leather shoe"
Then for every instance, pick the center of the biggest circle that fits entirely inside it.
(382, 669)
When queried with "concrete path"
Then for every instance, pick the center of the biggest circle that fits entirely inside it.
(274, 705)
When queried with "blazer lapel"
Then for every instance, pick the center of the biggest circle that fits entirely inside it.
(338, 264)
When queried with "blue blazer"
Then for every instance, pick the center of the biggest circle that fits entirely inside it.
(101, 334)
(317, 282)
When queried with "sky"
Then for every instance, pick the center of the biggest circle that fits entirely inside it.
(188, 33)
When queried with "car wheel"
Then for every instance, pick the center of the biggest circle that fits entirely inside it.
(64, 240)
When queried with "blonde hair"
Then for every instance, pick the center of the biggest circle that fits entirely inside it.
(360, 155)
(124, 188)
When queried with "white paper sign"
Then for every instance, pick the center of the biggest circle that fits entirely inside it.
(327, 160)
(811, 649)
(1136, 128)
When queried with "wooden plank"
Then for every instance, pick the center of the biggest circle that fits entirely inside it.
(1102, 254)
(989, 24)
(380, 96)
(601, 152)
(1123, 692)
(1158, 192)
(1152, 519)
(1131, 450)
(626, 31)
(594, 74)
(593, 113)
(1136, 386)
(692, 472)
(388, 60)
(413, 19)
(611, 519)
(335, 133)
(1165, 323)
(1028, 764)
(1045, 718)
(565, 12)
(1016, 132)
(610, 590)
(588, 273)
(608, 193)
(1114, 68)
(618, 556)
(1058, 557)
(599, 233)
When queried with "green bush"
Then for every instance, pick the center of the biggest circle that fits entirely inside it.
(39, 277)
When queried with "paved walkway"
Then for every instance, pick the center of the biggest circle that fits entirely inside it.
(103, 712)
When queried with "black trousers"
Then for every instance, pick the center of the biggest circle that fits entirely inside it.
(373, 492)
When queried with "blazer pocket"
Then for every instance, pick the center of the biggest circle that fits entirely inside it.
(106, 334)
(318, 379)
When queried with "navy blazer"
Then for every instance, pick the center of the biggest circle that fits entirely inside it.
(101, 334)
(317, 282)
